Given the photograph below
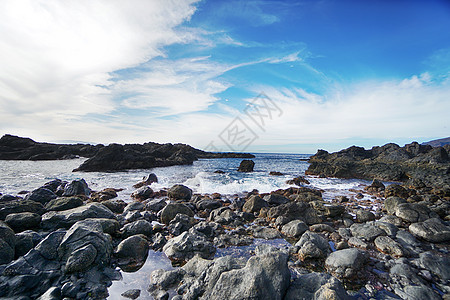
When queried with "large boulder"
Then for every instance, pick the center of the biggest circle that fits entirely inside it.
(148, 180)
(22, 221)
(66, 218)
(276, 199)
(346, 263)
(172, 209)
(313, 245)
(7, 243)
(432, 230)
(25, 241)
(142, 193)
(366, 231)
(76, 187)
(63, 203)
(254, 204)
(180, 192)
(137, 227)
(246, 165)
(41, 195)
(187, 245)
(391, 203)
(294, 228)
(295, 211)
(388, 246)
(414, 212)
(318, 286)
(438, 265)
(20, 206)
(132, 253)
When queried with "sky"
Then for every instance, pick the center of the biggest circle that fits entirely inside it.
(255, 76)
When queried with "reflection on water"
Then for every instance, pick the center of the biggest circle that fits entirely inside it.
(140, 279)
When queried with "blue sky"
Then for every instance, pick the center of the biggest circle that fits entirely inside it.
(334, 73)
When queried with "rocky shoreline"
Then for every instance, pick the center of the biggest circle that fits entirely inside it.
(65, 241)
(111, 158)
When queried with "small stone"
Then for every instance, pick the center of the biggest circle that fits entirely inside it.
(131, 294)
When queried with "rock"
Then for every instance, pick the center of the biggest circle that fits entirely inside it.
(375, 186)
(116, 206)
(364, 216)
(172, 209)
(76, 187)
(438, 265)
(320, 286)
(22, 221)
(391, 220)
(276, 199)
(19, 207)
(53, 293)
(180, 192)
(414, 292)
(266, 233)
(80, 235)
(66, 218)
(391, 204)
(265, 276)
(295, 211)
(131, 294)
(48, 247)
(25, 241)
(155, 205)
(6, 252)
(132, 253)
(357, 243)
(254, 204)
(388, 246)
(142, 193)
(105, 194)
(148, 180)
(298, 181)
(390, 229)
(7, 234)
(63, 203)
(41, 195)
(414, 212)
(294, 228)
(246, 165)
(396, 190)
(366, 231)
(208, 204)
(321, 228)
(345, 264)
(275, 173)
(432, 230)
(81, 259)
(187, 245)
(138, 227)
(313, 245)
(180, 224)
(333, 210)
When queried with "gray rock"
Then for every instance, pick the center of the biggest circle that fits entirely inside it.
(137, 227)
(254, 204)
(438, 265)
(133, 293)
(41, 195)
(25, 241)
(180, 224)
(223, 215)
(23, 221)
(357, 243)
(109, 226)
(187, 245)
(7, 234)
(63, 203)
(313, 245)
(180, 192)
(6, 252)
(346, 263)
(391, 220)
(48, 247)
(391, 203)
(276, 199)
(265, 276)
(66, 218)
(321, 228)
(172, 209)
(366, 231)
(208, 203)
(414, 292)
(163, 279)
(388, 246)
(148, 180)
(333, 210)
(414, 212)
(364, 216)
(295, 211)
(318, 286)
(229, 239)
(76, 187)
(134, 206)
(81, 259)
(294, 228)
(115, 205)
(132, 253)
(266, 233)
(432, 230)
(390, 229)
(142, 193)
(20, 206)
(155, 205)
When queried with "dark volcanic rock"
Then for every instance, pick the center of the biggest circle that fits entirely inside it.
(246, 165)
(20, 206)
(389, 162)
(180, 192)
(22, 221)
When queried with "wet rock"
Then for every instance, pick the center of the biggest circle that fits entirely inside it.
(276, 199)
(180, 192)
(20, 206)
(76, 187)
(142, 193)
(294, 228)
(363, 216)
(313, 245)
(41, 195)
(132, 253)
(137, 227)
(155, 205)
(116, 206)
(187, 245)
(396, 190)
(414, 212)
(53, 293)
(246, 165)
(391, 204)
(388, 246)
(131, 294)
(66, 218)
(320, 286)
(254, 204)
(275, 173)
(432, 230)
(148, 180)
(298, 181)
(172, 209)
(63, 203)
(295, 211)
(345, 264)
(266, 233)
(23, 221)
(222, 215)
(366, 231)
(139, 206)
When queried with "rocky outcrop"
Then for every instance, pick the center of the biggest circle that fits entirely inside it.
(389, 162)
(246, 165)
